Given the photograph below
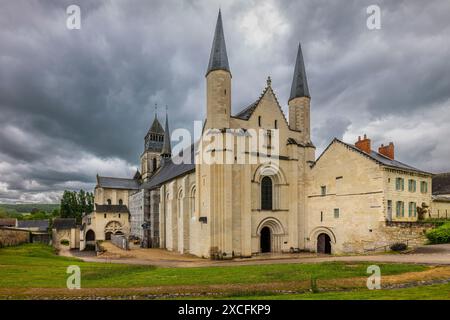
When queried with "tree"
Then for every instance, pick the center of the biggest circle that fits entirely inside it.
(76, 204)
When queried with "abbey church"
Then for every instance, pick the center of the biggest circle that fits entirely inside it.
(281, 198)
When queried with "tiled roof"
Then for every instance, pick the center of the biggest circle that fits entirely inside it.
(8, 222)
(441, 183)
(379, 158)
(113, 208)
(64, 223)
(117, 183)
(41, 225)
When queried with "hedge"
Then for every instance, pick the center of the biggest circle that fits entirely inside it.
(440, 234)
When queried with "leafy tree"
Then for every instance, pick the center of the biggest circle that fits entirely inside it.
(76, 204)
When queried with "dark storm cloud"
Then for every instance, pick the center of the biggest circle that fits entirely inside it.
(77, 102)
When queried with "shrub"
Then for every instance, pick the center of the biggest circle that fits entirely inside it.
(439, 235)
(65, 242)
(399, 246)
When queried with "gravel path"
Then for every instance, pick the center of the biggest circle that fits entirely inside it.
(433, 254)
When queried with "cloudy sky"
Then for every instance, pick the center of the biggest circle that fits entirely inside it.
(74, 103)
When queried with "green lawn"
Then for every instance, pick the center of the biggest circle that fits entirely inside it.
(36, 266)
(431, 292)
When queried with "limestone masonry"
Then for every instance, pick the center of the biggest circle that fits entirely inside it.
(349, 199)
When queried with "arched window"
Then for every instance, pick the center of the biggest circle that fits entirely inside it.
(266, 193)
(193, 195)
(120, 201)
(108, 201)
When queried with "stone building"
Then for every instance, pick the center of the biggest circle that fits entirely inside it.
(280, 198)
(357, 196)
(111, 214)
(441, 196)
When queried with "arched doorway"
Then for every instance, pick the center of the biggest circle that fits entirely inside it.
(324, 243)
(265, 240)
(112, 228)
(90, 235)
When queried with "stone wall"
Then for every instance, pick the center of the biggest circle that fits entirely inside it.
(410, 233)
(13, 237)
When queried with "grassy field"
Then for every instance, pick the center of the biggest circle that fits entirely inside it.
(430, 292)
(36, 266)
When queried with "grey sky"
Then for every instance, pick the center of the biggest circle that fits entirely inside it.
(74, 103)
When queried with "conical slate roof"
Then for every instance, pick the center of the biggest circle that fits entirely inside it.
(218, 59)
(166, 149)
(299, 82)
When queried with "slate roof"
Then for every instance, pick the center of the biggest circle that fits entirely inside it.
(64, 223)
(299, 86)
(117, 183)
(246, 113)
(156, 126)
(41, 225)
(441, 183)
(379, 158)
(218, 59)
(166, 148)
(114, 208)
(169, 171)
(439, 198)
(7, 222)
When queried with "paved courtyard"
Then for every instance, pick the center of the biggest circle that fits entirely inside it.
(433, 254)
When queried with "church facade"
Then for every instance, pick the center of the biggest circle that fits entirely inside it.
(275, 198)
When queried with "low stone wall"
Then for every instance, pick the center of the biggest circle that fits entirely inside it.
(13, 237)
(410, 233)
(120, 241)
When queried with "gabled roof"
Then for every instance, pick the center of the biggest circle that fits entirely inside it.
(169, 171)
(41, 225)
(247, 112)
(441, 183)
(64, 223)
(117, 183)
(375, 156)
(218, 59)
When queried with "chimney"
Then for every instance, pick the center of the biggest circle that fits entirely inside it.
(387, 151)
(364, 144)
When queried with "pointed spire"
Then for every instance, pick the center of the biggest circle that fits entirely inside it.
(218, 59)
(299, 83)
(166, 151)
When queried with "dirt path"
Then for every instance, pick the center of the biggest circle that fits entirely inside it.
(433, 255)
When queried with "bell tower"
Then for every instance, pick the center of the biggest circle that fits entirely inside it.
(154, 140)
